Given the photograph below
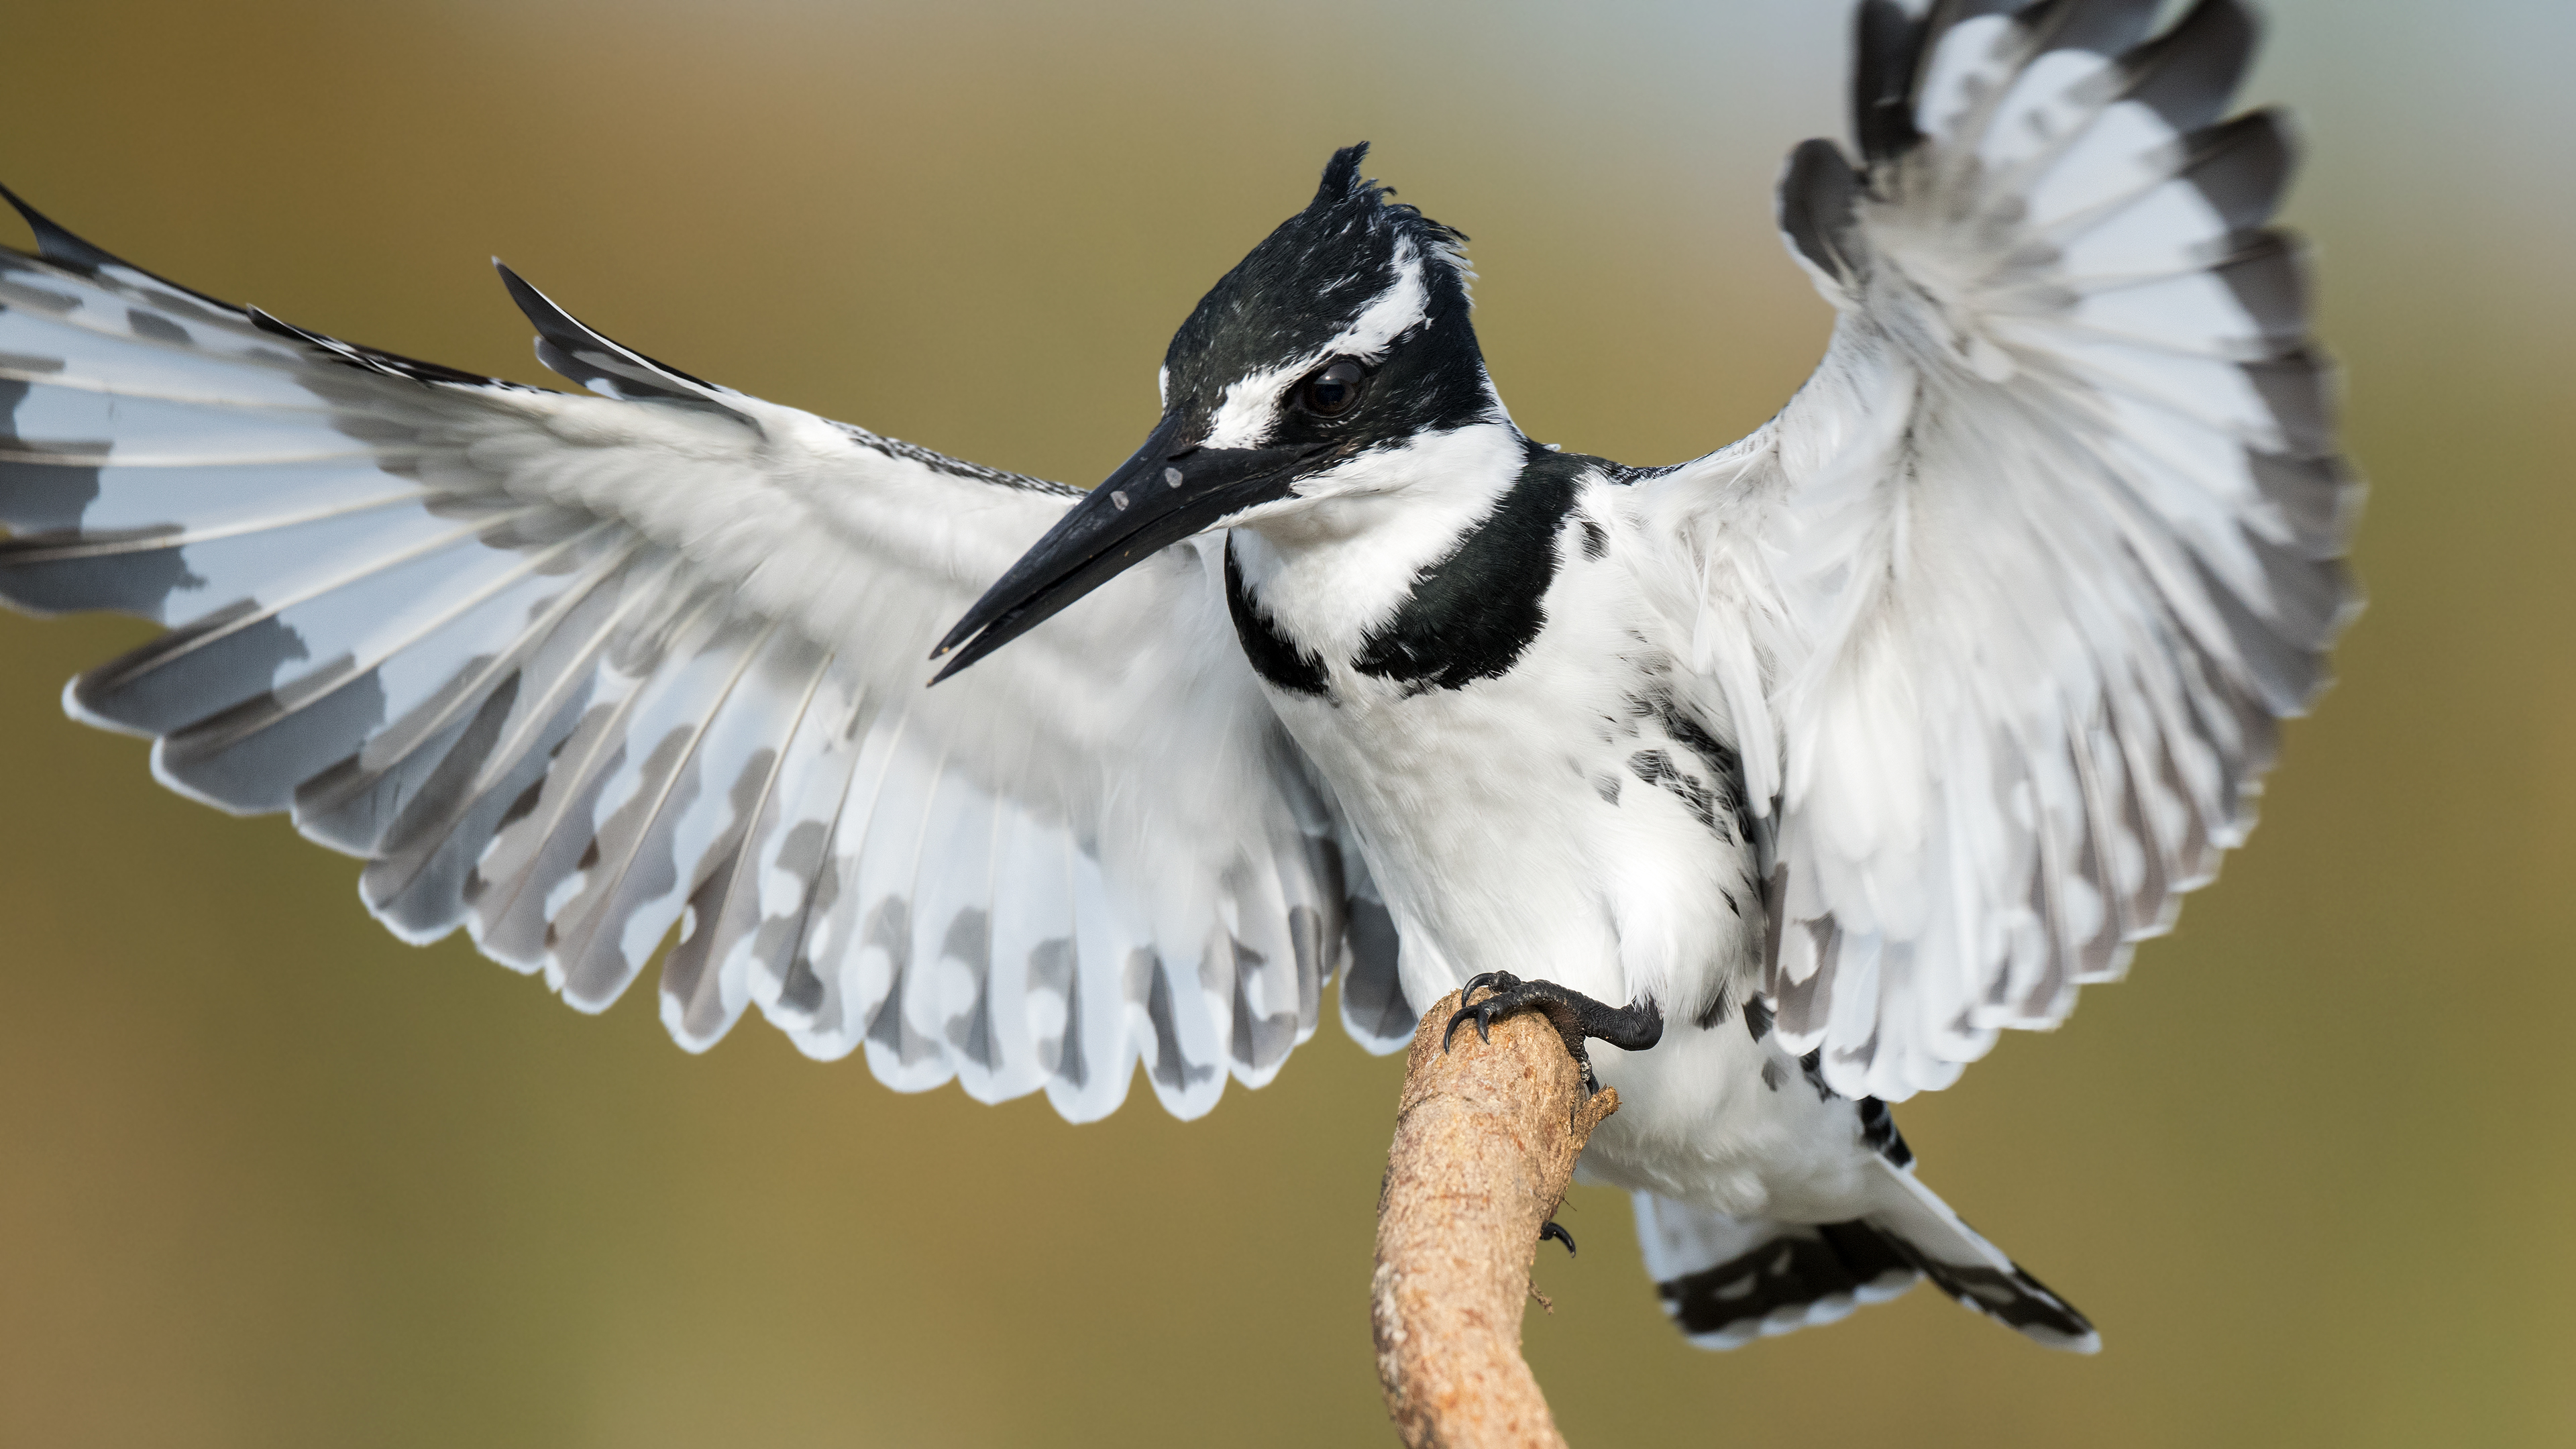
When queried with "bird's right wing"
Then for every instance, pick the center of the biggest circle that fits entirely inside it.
(569, 671)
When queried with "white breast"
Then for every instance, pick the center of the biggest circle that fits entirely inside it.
(1526, 824)
(1560, 822)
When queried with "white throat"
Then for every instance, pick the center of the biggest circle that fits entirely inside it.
(1340, 556)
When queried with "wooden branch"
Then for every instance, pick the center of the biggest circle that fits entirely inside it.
(1485, 1141)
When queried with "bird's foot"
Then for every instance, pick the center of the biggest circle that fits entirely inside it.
(1577, 1017)
(1557, 1231)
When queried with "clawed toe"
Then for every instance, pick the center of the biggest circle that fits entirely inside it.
(1575, 1016)
(1558, 1232)
(1499, 987)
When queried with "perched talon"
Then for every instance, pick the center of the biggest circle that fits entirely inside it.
(1576, 1017)
(1558, 1232)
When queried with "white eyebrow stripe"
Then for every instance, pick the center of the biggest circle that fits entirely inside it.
(1397, 310)
(1249, 411)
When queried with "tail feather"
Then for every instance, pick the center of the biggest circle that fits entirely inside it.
(1961, 1263)
(1727, 1281)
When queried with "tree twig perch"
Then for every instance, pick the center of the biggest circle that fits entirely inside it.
(1485, 1141)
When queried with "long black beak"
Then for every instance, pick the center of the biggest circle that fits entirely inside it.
(1168, 491)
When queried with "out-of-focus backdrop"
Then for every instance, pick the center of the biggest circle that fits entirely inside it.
(269, 1178)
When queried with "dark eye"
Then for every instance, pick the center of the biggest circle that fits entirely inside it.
(1330, 393)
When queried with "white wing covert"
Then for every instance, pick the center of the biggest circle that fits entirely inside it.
(569, 671)
(2006, 604)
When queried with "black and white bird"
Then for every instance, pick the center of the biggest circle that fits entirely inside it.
(1786, 778)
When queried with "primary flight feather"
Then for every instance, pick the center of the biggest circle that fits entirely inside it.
(1783, 779)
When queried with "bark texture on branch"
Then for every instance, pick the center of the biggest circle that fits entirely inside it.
(1485, 1141)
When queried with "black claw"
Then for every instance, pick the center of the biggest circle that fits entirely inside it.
(1449, 1034)
(1575, 1015)
(1485, 1012)
(1558, 1232)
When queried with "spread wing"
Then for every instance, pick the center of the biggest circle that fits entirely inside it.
(570, 671)
(2005, 606)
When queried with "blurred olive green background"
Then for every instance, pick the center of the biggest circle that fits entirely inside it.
(269, 1178)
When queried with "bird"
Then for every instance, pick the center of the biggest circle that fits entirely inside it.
(1782, 780)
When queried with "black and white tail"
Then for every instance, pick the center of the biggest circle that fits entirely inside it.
(1728, 1281)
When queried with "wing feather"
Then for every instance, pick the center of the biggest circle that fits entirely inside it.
(704, 982)
(570, 672)
(2009, 602)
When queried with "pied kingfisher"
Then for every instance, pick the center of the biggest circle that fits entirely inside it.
(1786, 777)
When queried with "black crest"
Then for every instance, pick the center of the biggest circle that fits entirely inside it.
(1313, 276)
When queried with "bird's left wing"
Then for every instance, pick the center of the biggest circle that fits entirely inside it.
(571, 670)
(2004, 607)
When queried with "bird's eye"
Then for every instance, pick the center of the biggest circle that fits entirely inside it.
(1330, 393)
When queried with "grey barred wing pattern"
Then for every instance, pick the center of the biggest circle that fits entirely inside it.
(2006, 605)
(574, 672)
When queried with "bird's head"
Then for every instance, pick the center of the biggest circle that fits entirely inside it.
(1338, 346)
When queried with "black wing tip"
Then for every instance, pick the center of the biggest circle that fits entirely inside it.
(2207, 52)
(555, 326)
(1818, 201)
(1887, 45)
(540, 309)
(61, 246)
(276, 326)
(365, 359)
(57, 243)
(562, 339)
(2199, 61)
